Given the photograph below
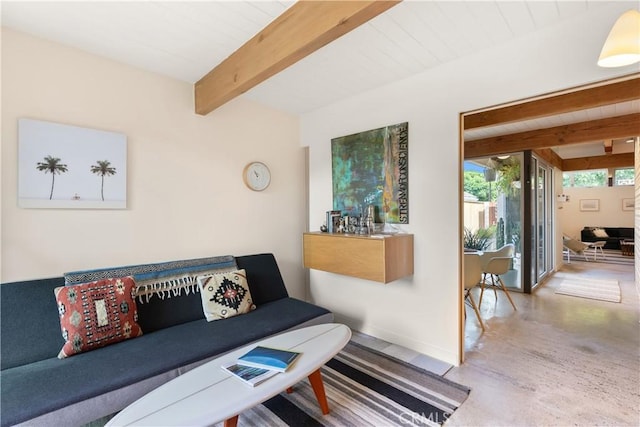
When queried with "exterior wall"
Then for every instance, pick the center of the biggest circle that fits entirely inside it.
(186, 197)
(422, 312)
(475, 215)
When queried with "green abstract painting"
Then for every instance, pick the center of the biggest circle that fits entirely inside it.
(372, 168)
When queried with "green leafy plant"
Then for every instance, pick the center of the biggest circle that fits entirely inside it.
(509, 173)
(480, 239)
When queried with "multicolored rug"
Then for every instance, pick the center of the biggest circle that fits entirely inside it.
(364, 388)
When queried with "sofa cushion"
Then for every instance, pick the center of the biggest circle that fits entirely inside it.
(77, 378)
(30, 322)
(225, 295)
(626, 232)
(96, 314)
(600, 233)
(263, 275)
(159, 314)
(163, 308)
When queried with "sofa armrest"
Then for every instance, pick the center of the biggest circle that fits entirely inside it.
(30, 322)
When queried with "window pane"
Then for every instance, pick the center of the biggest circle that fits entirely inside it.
(591, 178)
(624, 176)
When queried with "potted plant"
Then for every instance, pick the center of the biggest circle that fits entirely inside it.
(509, 174)
(478, 240)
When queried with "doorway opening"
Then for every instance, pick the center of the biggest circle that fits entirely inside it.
(605, 111)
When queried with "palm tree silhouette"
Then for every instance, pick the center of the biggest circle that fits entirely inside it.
(53, 166)
(103, 168)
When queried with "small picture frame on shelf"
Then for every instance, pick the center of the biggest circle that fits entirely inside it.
(587, 205)
(628, 204)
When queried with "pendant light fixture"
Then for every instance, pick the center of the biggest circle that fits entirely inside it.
(622, 46)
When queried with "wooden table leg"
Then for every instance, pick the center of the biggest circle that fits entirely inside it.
(318, 388)
(231, 422)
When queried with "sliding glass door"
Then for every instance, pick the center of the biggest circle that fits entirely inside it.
(501, 208)
(541, 220)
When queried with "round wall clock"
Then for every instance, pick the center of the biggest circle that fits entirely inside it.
(256, 176)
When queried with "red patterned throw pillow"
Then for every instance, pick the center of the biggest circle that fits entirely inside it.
(225, 295)
(96, 314)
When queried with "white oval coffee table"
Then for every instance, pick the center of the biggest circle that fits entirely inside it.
(208, 394)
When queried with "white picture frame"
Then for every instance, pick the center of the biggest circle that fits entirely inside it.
(589, 205)
(628, 204)
(70, 167)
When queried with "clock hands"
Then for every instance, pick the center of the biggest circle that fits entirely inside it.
(256, 176)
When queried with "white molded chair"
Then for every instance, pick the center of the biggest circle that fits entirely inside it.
(577, 247)
(495, 263)
(598, 245)
(472, 276)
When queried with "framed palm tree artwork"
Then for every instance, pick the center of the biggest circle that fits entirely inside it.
(70, 167)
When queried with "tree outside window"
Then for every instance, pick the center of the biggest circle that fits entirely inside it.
(624, 176)
(590, 178)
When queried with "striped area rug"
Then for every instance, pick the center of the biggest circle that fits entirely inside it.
(603, 290)
(364, 388)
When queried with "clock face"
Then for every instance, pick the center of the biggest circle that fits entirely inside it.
(256, 176)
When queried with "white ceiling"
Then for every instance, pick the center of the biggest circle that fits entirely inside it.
(185, 40)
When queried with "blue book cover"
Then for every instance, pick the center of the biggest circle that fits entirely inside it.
(268, 358)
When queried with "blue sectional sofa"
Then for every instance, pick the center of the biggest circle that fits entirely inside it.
(37, 388)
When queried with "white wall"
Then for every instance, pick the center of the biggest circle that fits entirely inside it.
(560, 220)
(186, 197)
(609, 215)
(422, 312)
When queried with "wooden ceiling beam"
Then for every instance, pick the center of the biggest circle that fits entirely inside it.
(576, 133)
(302, 29)
(549, 156)
(621, 160)
(622, 91)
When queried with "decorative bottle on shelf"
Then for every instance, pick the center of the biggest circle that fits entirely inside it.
(362, 225)
(370, 219)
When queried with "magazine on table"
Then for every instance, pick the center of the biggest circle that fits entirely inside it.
(249, 375)
(273, 359)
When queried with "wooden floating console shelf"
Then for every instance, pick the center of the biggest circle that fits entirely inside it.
(378, 257)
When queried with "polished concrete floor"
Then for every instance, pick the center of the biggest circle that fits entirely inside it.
(556, 361)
